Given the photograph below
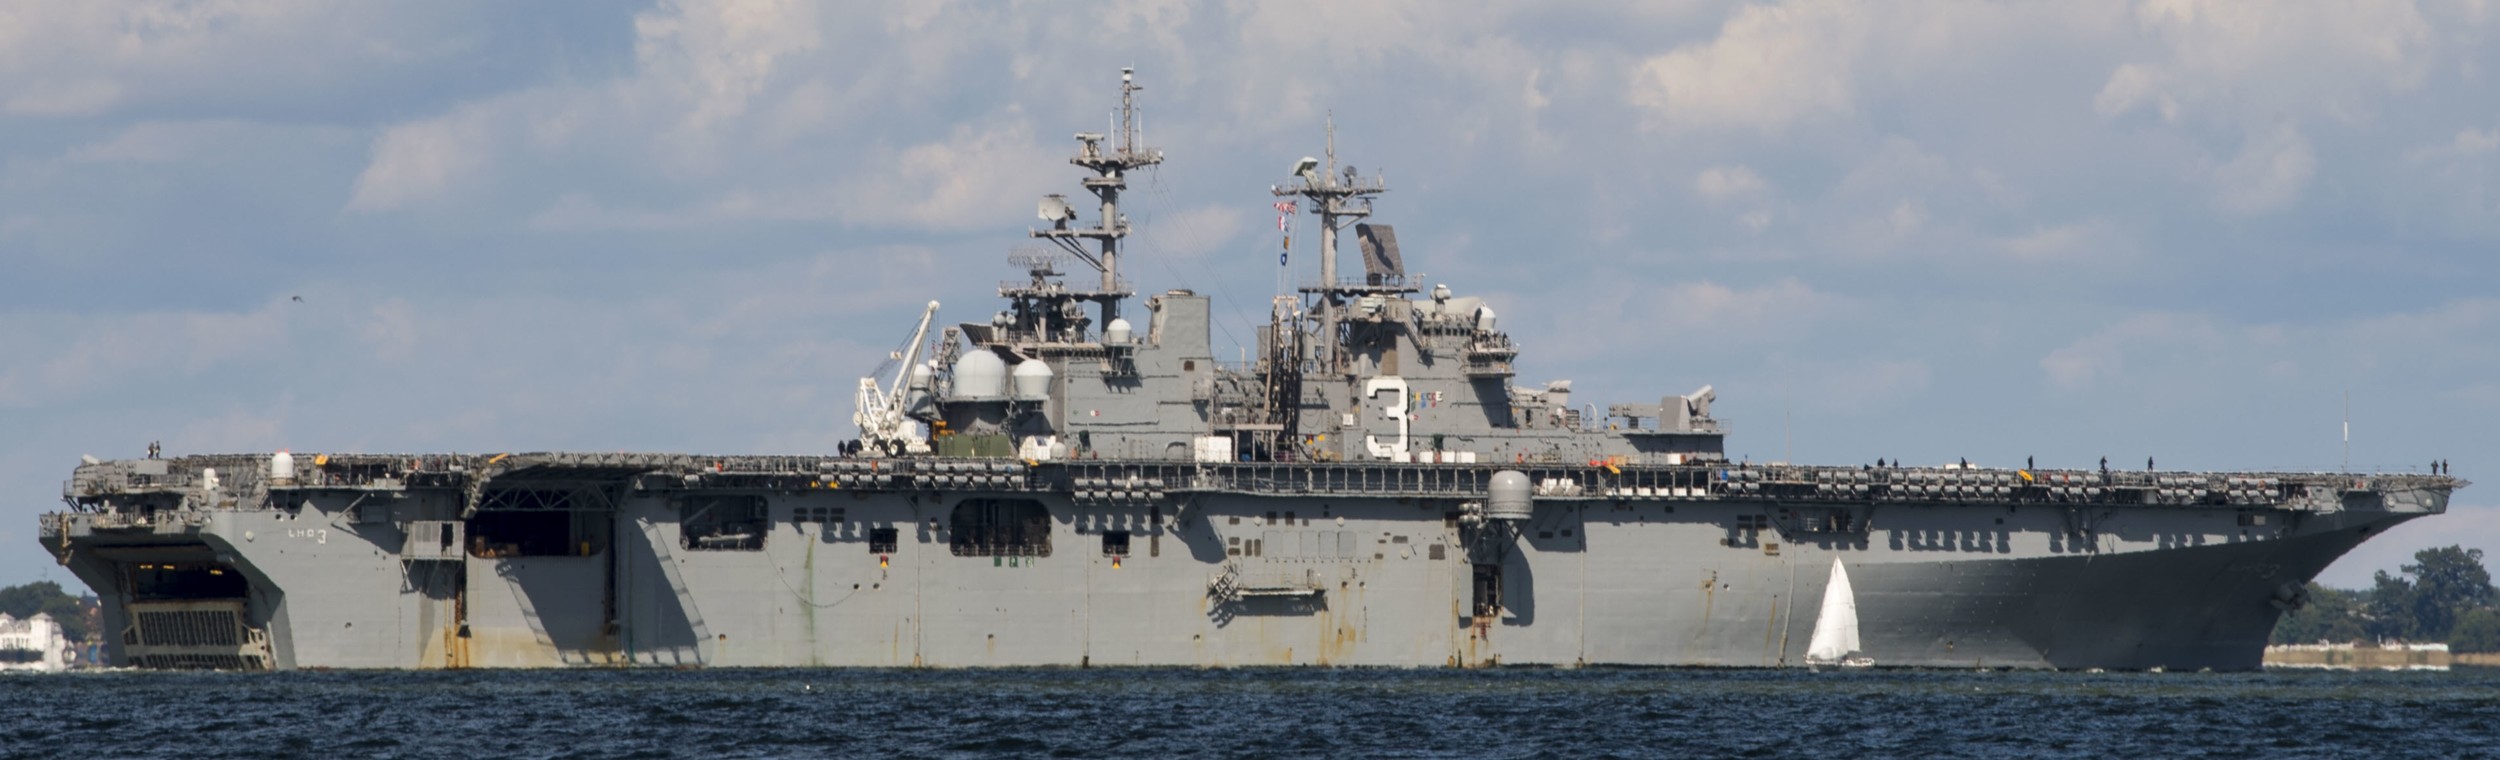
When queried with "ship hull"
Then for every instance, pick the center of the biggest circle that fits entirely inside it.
(886, 578)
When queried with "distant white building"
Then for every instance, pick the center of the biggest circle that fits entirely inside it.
(39, 634)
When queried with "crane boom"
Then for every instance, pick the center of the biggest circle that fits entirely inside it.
(911, 355)
(883, 427)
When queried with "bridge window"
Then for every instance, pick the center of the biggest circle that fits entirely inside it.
(723, 523)
(1000, 527)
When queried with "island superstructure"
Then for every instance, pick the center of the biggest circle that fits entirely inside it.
(1076, 480)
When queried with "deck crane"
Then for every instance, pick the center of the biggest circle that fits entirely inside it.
(884, 428)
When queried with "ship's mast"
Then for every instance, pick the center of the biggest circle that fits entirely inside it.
(1338, 200)
(1111, 167)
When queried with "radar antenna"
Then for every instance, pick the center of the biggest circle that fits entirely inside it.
(1338, 199)
(1111, 164)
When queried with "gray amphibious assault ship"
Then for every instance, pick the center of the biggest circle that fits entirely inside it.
(1073, 482)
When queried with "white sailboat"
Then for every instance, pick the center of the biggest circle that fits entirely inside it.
(1836, 626)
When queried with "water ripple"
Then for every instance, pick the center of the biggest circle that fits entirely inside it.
(1511, 713)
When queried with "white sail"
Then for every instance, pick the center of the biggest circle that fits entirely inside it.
(1836, 628)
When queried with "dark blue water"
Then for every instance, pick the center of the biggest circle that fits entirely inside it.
(1249, 713)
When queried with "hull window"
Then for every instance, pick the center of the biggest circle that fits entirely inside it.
(1000, 527)
(723, 523)
(1488, 590)
(537, 533)
(167, 582)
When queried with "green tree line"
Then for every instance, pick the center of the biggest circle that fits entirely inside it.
(46, 597)
(2445, 595)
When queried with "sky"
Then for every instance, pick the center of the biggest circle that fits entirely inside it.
(1922, 230)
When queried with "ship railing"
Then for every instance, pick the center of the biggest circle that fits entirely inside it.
(1335, 184)
(1775, 483)
(1120, 287)
(1378, 284)
(242, 480)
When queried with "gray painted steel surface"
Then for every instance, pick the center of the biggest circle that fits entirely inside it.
(1354, 496)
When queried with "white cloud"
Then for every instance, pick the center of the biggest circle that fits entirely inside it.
(577, 212)
(155, 142)
(684, 110)
(391, 331)
(1698, 307)
(1908, 201)
(1191, 233)
(2467, 144)
(1900, 228)
(2250, 60)
(1609, 315)
(711, 57)
(2095, 240)
(730, 103)
(71, 98)
(2102, 356)
(2269, 173)
(1770, 66)
(1906, 218)
(2194, 352)
(59, 358)
(237, 427)
(2445, 342)
(1855, 386)
(1738, 192)
(425, 160)
(1921, 199)
(2472, 142)
(85, 59)
(975, 177)
(1719, 184)
(2132, 85)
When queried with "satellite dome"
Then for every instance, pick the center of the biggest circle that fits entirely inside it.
(1509, 496)
(1032, 380)
(980, 376)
